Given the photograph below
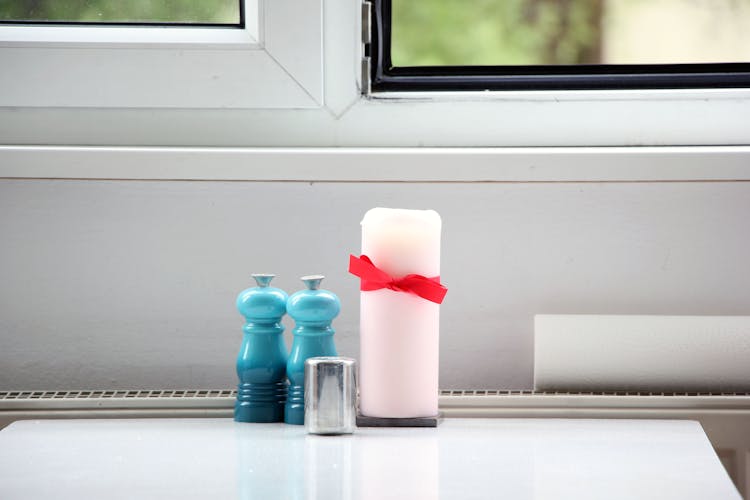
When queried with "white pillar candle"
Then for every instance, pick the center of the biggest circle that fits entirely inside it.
(400, 331)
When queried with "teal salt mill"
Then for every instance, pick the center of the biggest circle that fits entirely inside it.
(261, 362)
(312, 310)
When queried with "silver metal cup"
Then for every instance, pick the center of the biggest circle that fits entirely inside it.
(330, 395)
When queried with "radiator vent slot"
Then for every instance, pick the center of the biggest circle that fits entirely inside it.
(220, 394)
(16, 395)
(598, 393)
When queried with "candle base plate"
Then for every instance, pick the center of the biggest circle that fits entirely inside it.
(365, 421)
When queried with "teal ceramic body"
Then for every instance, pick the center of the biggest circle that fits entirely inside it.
(261, 362)
(312, 310)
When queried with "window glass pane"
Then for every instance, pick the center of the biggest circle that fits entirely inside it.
(123, 11)
(557, 32)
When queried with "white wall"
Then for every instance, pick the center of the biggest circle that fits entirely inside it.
(131, 284)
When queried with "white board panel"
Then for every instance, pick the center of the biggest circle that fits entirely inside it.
(642, 353)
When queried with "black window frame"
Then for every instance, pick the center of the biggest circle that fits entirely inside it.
(384, 77)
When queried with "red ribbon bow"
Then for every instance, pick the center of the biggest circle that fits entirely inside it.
(376, 279)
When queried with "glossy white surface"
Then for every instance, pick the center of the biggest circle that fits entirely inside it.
(461, 459)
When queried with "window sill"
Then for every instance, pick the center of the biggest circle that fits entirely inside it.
(575, 164)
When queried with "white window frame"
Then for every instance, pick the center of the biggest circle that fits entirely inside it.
(299, 85)
(274, 62)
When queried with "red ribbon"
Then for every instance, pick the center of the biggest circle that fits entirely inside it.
(376, 279)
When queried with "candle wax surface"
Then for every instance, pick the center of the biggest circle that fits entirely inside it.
(402, 242)
(400, 332)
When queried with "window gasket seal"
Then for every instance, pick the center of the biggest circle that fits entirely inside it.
(385, 77)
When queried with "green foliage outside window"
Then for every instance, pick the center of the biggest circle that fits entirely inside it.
(495, 32)
(159, 11)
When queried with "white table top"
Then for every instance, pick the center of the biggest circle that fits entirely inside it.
(461, 459)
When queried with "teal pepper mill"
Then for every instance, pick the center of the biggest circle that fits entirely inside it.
(261, 363)
(312, 310)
